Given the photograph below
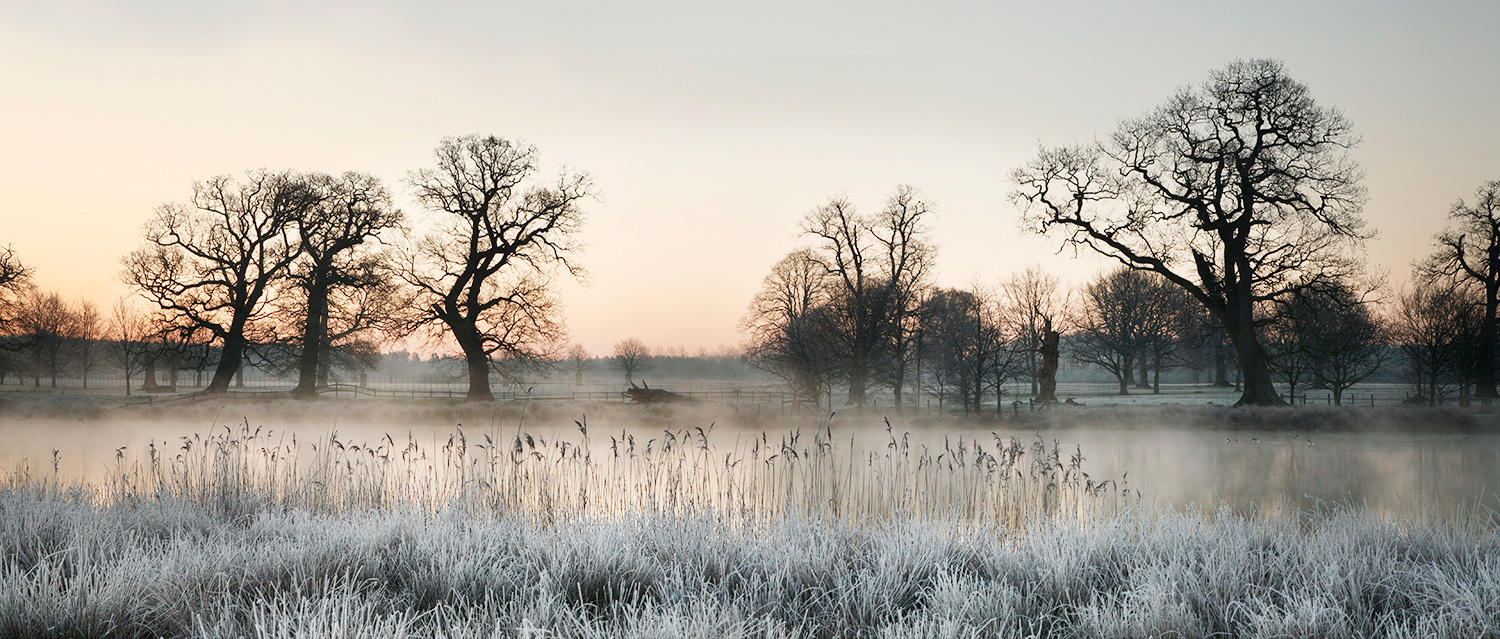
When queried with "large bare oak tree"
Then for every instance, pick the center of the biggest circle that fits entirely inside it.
(1240, 191)
(209, 264)
(484, 275)
(352, 210)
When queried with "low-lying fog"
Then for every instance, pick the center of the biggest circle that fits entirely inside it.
(1176, 463)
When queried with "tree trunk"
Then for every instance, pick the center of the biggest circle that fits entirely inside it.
(148, 384)
(478, 362)
(1221, 364)
(479, 378)
(1047, 375)
(1255, 372)
(314, 334)
(229, 363)
(1239, 316)
(857, 380)
(900, 381)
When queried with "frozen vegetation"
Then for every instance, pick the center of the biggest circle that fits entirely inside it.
(248, 533)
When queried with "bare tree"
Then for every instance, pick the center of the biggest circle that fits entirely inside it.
(87, 329)
(15, 281)
(1329, 336)
(352, 211)
(211, 264)
(580, 361)
(484, 275)
(1470, 249)
(1119, 312)
(49, 328)
(876, 265)
(968, 349)
(1350, 342)
(1033, 304)
(1286, 342)
(1235, 191)
(908, 256)
(127, 332)
(630, 356)
(788, 325)
(1433, 322)
(1165, 330)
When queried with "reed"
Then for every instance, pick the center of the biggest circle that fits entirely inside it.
(1002, 482)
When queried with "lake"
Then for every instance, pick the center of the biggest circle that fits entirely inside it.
(1169, 466)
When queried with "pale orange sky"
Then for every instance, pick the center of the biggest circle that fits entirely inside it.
(710, 128)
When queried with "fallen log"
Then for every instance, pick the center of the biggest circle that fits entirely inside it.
(644, 394)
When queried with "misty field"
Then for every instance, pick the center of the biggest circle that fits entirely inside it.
(502, 532)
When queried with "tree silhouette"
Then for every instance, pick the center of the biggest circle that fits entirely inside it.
(1470, 249)
(210, 264)
(788, 326)
(580, 361)
(352, 210)
(967, 347)
(876, 264)
(1239, 191)
(1034, 302)
(1124, 312)
(484, 275)
(127, 332)
(48, 328)
(1435, 323)
(630, 356)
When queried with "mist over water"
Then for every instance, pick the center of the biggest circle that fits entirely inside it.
(1177, 466)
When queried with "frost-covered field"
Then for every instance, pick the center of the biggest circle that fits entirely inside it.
(168, 567)
(246, 532)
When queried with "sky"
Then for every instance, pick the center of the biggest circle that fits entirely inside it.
(710, 128)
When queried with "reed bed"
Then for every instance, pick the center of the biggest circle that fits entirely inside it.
(248, 533)
(1002, 482)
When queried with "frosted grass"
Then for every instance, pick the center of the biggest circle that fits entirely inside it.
(240, 534)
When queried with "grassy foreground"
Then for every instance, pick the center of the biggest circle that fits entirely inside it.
(244, 534)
